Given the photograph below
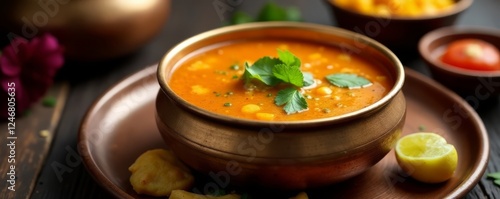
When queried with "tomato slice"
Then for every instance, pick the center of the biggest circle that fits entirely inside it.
(472, 54)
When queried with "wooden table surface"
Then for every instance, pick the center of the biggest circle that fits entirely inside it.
(50, 167)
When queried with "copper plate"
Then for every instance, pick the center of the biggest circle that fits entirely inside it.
(120, 126)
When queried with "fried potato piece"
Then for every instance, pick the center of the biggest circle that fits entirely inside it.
(301, 195)
(181, 194)
(157, 172)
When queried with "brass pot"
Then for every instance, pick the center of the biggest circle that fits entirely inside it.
(282, 154)
(89, 30)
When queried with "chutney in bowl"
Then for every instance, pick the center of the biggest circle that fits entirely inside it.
(222, 113)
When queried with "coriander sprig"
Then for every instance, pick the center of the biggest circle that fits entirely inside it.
(495, 177)
(346, 80)
(292, 99)
(284, 70)
(268, 12)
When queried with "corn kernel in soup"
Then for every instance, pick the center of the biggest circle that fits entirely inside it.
(216, 83)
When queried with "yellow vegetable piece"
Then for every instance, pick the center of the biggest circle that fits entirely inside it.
(199, 65)
(199, 90)
(396, 7)
(250, 108)
(344, 56)
(363, 6)
(426, 157)
(301, 195)
(157, 172)
(324, 90)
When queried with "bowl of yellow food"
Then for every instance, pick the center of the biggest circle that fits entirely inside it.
(282, 105)
(397, 24)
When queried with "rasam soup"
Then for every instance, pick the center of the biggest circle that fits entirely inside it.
(213, 79)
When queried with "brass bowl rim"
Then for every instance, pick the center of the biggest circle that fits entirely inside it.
(325, 29)
(460, 6)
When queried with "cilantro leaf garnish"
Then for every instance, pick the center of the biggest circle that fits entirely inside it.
(346, 80)
(495, 177)
(268, 12)
(262, 70)
(284, 70)
(289, 74)
(308, 78)
(274, 12)
(292, 99)
(240, 17)
(288, 58)
(289, 71)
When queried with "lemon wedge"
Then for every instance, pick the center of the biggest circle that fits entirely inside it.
(426, 157)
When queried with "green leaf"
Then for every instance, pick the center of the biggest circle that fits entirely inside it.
(288, 58)
(272, 12)
(308, 78)
(250, 74)
(289, 74)
(262, 70)
(497, 182)
(49, 101)
(240, 17)
(289, 71)
(268, 12)
(284, 70)
(293, 14)
(351, 81)
(292, 99)
(494, 175)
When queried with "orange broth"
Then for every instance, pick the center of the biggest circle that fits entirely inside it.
(208, 80)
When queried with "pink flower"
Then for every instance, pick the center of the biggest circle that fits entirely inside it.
(31, 66)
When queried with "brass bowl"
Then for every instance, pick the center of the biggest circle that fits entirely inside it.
(400, 33)
(281, 155)
(89, 30)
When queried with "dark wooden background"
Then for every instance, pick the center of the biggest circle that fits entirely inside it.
(188, 17)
